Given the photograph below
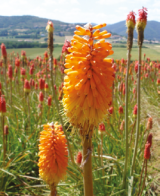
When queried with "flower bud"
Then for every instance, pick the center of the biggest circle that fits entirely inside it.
(3, 51)
(50, 27)
(79, 158)
(149, 139)
(135, 110)
(46, 87)
(147, 151)
(149, 123)
(65, 47)
(41, 97)
(27, 87)
(110, 110)
(49, 101)
(17, 62)
(101, 129)
(10, 72)
(120, 110)
(2, 105)
(41, 83)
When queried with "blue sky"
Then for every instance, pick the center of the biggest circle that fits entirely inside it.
(97, 11)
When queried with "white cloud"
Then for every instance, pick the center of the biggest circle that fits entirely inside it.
(105, 2)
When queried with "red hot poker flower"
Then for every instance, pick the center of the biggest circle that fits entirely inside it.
(120, 110)
(147, 151)
(10, 72)
(49, 101)
(65, 47)
(2, 105)
(79, 158)
(27, 87)
(130, 21)
(142, 18)
(17, 62)
(135, 110)
(3, 50)
(149, 139)
(41, 97)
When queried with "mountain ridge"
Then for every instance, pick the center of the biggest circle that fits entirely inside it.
(28, 22)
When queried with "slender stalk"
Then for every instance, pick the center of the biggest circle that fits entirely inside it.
(53, 191)
(4, 143)
(5, 78)
(126, 121)
(87, 166)
(11, 94)
(141, 177)
(50, 46)
(144, 178)
(138, 113)
(102, 155)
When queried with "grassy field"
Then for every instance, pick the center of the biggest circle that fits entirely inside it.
(34, 52)
(153, 52)
(57, 39)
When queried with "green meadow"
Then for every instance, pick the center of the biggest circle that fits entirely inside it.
(152, 51)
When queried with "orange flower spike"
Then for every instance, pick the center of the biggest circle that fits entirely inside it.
(87, 93)
(53, 154)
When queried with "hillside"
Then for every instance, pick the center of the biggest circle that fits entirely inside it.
(32, 25)
(28, 23)
(151, 31)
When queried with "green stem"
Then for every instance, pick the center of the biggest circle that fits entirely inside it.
(126, 122)
(87, 167)
(4, 143)
(138, 113)
(56, 101)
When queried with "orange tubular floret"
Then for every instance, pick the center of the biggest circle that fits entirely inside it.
(99, 26)
(87, 86)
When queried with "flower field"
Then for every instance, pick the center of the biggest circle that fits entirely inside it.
(80, 124)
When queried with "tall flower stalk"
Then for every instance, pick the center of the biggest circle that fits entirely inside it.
(140, 25)
(50, 29)
(130, 23)
(87, 88)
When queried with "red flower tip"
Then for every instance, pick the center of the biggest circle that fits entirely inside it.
(79, 158)
(102, 127)
(17, 62)
(149, 139)
(3, 50)
(135, 110)
(10, 72)
(65, 47)
(23, 72)
(110, 110)
(131, 17)
(49, 101)
(142, 14)
(136, 67)
(147, 151)
(27, 87)
(120, 110)
(41, 97)
(2, 104)
(149, 123)
(41, 83)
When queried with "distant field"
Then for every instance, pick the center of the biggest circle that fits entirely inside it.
(34, 52)
(57, 39)
(153, 52)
